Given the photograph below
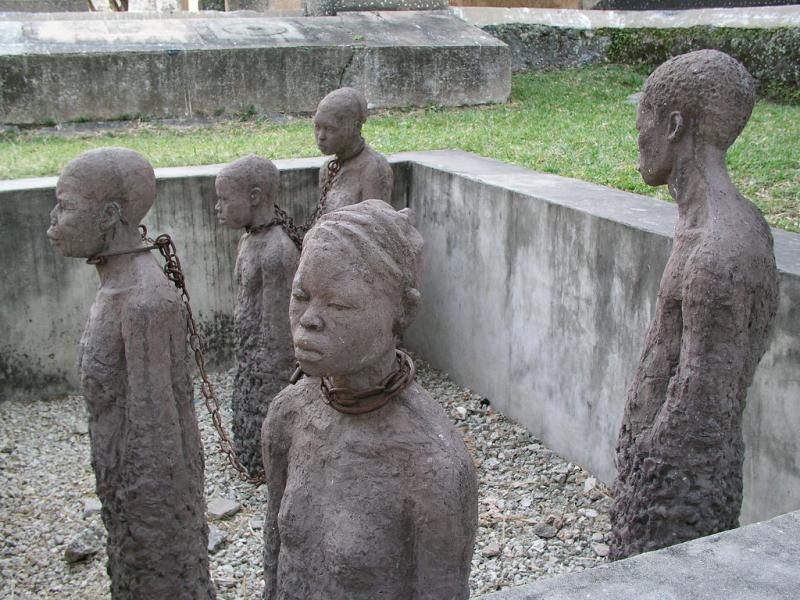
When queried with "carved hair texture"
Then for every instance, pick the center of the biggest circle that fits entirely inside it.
(254, 171)
(709, 88)
(115, 175)
(385, 242)
(349, 100)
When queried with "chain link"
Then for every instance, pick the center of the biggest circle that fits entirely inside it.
(174, 272)
(333, 171)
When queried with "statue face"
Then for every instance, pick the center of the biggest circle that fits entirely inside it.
(74, 222)
(656, 151)
(334, 130)
(234, 208)
(340, 322)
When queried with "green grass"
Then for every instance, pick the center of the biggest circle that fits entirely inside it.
(573, 123)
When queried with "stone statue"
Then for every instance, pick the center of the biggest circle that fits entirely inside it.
(265, 267)
(372, 493)
(357, 172)
(680, 448)
(135, 374)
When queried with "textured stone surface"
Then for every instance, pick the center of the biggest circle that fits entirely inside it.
(363, 173)
(146, 450)
(751, 563)
(680, 449)
(92, 67)
(381, 504)
(265, 265)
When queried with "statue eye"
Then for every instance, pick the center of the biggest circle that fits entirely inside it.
(299, 295)
(341, 306)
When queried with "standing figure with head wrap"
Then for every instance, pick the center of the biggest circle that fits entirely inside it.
(357, 172)
(372, 493)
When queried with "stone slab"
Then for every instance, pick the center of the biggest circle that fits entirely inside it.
(758, 17)
(70, 68)
(537, 294)
(756, 562)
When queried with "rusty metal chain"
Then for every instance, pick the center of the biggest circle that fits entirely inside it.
(286, 222)
(174, 272)
(333, 171)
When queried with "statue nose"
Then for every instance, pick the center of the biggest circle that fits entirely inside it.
(312, 321)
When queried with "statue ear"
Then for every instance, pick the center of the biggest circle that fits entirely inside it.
(411, 303)
(256, 196)
(112, 214)
(675, 125)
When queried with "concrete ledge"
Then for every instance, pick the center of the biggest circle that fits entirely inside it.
(757, 562)
(69, 68)
(758, 17)
(537, 293)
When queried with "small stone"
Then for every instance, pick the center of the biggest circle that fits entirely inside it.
(216, 539)
(525, 502)
(589, 484)
(461, 413)
(83, 546)
(589, 513)
(221, 508)
(491, 463)
(91, 507)
(80, 428)
(597, 537)
(600, 549)
(257, 523)
(491, 549)
(544, 531)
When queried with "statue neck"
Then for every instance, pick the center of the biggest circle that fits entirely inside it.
(352, 151)
(699, 177)
(113, 270)
(370, 376)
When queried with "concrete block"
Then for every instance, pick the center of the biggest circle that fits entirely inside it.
(101, 68)
(756, 562)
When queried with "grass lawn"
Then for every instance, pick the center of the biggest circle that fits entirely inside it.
(574, 123)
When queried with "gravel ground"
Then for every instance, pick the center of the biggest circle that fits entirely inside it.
(539, 515)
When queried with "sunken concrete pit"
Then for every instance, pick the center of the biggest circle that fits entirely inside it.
(537, 294)
(97, 66)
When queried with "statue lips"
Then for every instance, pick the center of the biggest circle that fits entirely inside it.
(305, 352)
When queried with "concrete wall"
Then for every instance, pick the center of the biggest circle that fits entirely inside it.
(101, 68)
(537, 294)
(538, 291)
(757, 562)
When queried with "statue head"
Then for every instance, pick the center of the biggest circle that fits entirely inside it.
(705, 96)
(99, 195)
(246, 189)
(338, 121)
(355, 289)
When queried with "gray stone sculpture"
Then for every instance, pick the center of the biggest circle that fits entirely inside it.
(134, 363)
(265, 266)
(357, 172)
(680, 448)
(372, 493)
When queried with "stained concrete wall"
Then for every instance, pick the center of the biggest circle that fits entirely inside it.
(537, 294)
(757, 562)
(93, 67)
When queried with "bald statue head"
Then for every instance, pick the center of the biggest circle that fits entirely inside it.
(246, 190)
(100, 194)
(338, 121)
(706, 96)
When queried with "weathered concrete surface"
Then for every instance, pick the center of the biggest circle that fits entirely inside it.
(757, 562)
(557, 302)
(557, 281)
(98, 68)
(763, 16)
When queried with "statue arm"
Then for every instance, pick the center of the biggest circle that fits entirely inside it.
(156, 358)
(443, 538)
(275, 441)
(379, 184)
